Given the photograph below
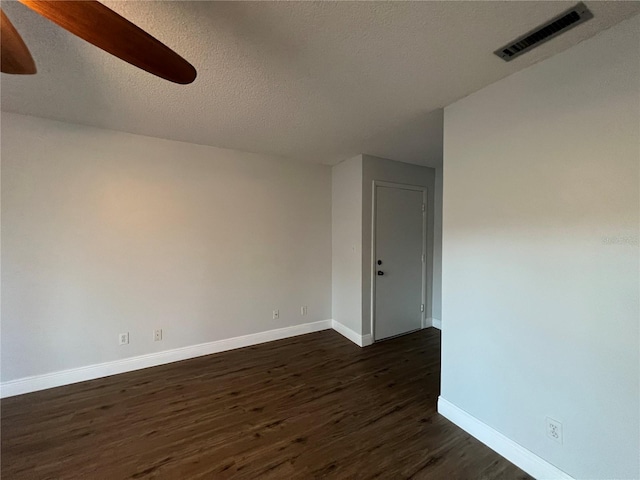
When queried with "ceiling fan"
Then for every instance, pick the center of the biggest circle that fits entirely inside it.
(101, 26)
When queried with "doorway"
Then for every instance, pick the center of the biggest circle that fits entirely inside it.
(399, 230)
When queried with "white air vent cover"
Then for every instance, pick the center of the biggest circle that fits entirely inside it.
(554, 27)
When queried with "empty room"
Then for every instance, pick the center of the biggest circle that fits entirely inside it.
(320, 239)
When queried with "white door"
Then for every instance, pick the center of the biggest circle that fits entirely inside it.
(398, 260)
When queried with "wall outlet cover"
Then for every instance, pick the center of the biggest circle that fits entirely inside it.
(554, 430)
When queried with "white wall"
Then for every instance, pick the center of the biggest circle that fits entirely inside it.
(346, 227)
(375, 168)
(436, 309)
(106, 232)
(540, 263)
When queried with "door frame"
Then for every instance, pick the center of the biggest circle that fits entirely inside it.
(424, 190)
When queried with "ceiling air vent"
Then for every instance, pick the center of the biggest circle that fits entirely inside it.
(554, 27)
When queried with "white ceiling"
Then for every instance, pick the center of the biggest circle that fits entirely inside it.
(314, 81)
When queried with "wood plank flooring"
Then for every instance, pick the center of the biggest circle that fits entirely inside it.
(314, 406)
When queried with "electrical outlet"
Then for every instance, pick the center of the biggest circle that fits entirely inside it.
(554, 430)
(276, 314)
(157, 335)
(303, 310)
(123, 338)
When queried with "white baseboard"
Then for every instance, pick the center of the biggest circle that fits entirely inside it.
(367, 340)
(75, 375)
(436, 322)
(360, 340)
(512, 451)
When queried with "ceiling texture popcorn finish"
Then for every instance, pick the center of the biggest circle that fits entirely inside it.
(312, 81)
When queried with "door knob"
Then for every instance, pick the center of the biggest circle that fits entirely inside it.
(380, 272)
(379, 262)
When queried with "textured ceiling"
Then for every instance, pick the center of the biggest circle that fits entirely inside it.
(314, 81)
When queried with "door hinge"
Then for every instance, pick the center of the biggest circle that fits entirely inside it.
(424, 207)
(422, 307)
(423, 259)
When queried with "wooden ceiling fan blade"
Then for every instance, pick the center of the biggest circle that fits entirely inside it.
(14, 54)
(104, 28)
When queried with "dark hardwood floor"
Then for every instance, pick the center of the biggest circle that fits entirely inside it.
(314, 406)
